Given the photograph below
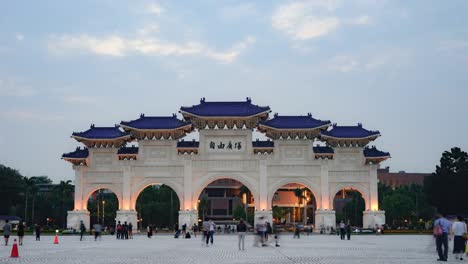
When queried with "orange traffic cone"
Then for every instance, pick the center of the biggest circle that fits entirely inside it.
(14, 250)
(56, 238)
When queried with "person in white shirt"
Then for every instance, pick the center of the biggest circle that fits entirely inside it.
(458, 230)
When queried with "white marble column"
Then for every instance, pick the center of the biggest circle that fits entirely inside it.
(324, 187)
(188, 199)
(78, 214)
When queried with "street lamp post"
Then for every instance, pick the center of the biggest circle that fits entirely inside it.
(103, 214)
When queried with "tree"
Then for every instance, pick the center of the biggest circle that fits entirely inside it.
(278, 212)
(353, 208)
(444, 187)
(239, 212)
(63, 193)
(203, 205)
(11, 189)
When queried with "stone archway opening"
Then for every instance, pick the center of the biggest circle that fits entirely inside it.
(226, 201)
(349, 205)
(102, 205)
(294, 203)
(157, 205)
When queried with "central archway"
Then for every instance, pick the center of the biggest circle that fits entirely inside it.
(157, 205)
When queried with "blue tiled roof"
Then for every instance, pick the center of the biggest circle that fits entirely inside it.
(188, 144)
(323, 149)
(101, 133)
(128, 150)
(225, 108)
(263, 144)
(156, 122)
(297, 122)
(79, 153)
(349, 132)
(373, 152)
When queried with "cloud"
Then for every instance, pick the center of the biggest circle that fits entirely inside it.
(80, 99)
(232, 54)
(148, 29)
(154, 8)
(29, 115)
(344, 63)
(362, 20)
(119, 46)
(453, 45)
(19, 36)
(307, 19)
(239, 11)
(12, 88)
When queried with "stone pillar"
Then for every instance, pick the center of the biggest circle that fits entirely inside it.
(79, 171)
(267, 216)
(373, 189)
(370, 218)
(188, 217)
(324, 218)
(325, 189)
(263, 187)
(126, 191)
(188, 203)
(129, 216)
(74, 218)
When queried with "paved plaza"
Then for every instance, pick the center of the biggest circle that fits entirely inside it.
(166, 249)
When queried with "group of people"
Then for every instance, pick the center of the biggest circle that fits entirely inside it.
(7, 228)
(345, 230)
(445, 230)
(124, 231)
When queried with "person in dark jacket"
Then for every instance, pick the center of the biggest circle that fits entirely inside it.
(241, 229)
(82, 230)
(20, 233)
(37, 228)
(348, 230)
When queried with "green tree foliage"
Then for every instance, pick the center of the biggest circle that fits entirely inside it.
(445, 188)
(159, 205)
(239, 212)
(110, 207)
(408, 203)
(353, 209)
(278, 212)
(11, 190)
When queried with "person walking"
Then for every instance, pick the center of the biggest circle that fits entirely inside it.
(211, 232)
(82, 230)
(241, 229)
(130, 230)
(37, 229)
(125, 230)
(458, 230)
(297, 232)
(6, 232)
(20, 233)
(348, 230)
(149, 230)
(195, 229)
(442, 228)
(97, 231)
(119, 230)
(342, 230)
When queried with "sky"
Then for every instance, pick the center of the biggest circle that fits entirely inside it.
(400, 67)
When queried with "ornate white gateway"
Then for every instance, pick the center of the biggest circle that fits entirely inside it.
(226, 150)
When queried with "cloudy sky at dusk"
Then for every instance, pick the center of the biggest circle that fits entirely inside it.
(400, 67)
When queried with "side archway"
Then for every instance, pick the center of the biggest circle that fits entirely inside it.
(138, 188)
(89, 190)
(363, 190)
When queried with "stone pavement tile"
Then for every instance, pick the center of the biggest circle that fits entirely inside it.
(165, 249)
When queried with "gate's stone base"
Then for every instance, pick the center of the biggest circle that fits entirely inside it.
(188, 217)
(371, 218)
(74, 218)
(128, 216)
(324, 218)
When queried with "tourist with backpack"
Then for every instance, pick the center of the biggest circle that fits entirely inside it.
(442, 228)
